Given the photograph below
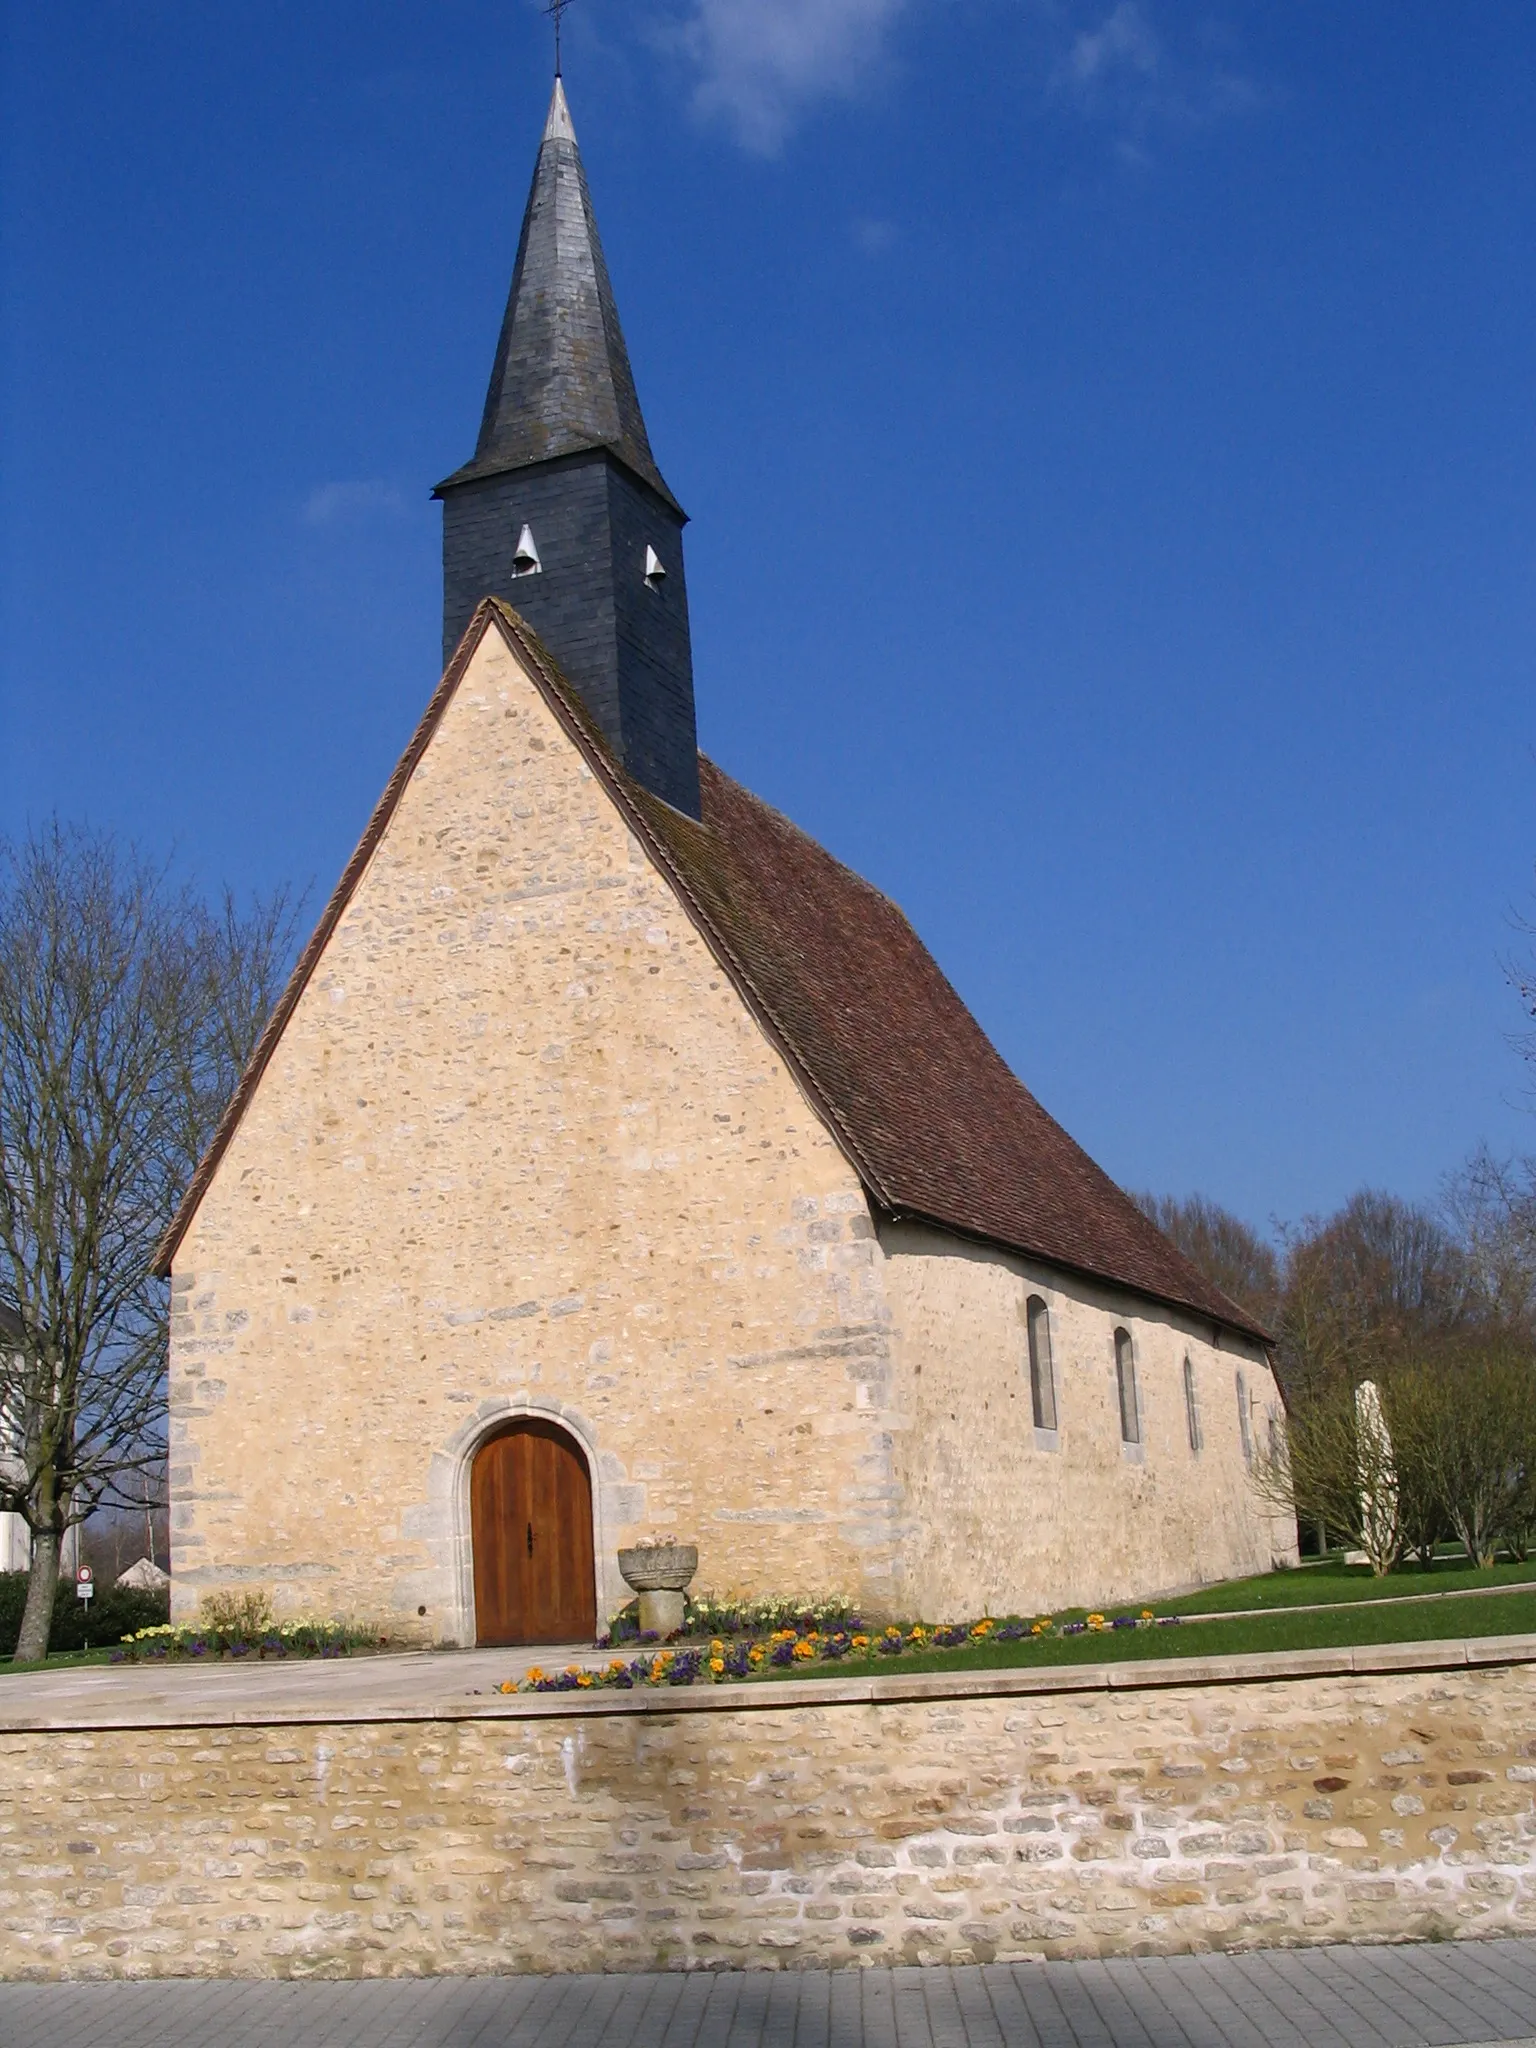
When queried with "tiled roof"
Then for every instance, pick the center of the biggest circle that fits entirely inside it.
(906, 1080)
(926, 1107)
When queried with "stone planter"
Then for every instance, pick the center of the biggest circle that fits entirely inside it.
(659, 1573)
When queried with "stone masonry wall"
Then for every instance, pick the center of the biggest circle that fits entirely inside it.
(1005, 1518)
(626, 1835)
(523, 1149)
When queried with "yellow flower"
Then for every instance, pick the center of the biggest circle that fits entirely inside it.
(717, 1647)
(585, 1679)
(804, 1649)
(983, 1628)
(533, 1675)
(918, 1635)
(1095, 1621)
(1147, 1614)
(717, 1665)
(507, 1685)
(615, 1667)
(861, 1642)
(893, 1631)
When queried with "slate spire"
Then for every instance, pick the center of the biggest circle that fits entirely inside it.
(561, 380)
(562, 509)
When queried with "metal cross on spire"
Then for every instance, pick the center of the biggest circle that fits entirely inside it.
(555, 10)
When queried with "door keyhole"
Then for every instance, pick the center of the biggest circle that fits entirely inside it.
(530, 1539)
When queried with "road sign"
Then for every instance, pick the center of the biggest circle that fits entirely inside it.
(85, 1583)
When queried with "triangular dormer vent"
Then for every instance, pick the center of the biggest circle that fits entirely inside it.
(654, 572)
(525, 556)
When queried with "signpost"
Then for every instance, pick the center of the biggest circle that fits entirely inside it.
(85, 1583)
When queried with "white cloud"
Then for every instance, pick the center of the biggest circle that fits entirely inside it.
(1125, 39)
(760, 62)
(347, 504)
(1126, 71)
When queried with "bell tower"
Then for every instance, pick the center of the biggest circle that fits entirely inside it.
(562, 510)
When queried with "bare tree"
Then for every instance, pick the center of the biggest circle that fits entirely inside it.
(1379, 1275)
(1228, 1251)
(1335, 1462)
(1477, 1439)
(1490, 1204)
(127, 1008)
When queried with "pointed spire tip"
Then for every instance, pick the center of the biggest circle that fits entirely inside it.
(559, 127)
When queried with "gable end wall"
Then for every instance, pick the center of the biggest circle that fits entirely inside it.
(522, 1148)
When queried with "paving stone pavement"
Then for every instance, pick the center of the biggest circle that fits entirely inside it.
(1403, 1997)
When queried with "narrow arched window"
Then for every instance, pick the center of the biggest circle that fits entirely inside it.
(1192, 1407)
(1244, 1419)
(1125, 1380)
(1042, 1370)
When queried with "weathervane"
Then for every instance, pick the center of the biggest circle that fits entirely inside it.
(555, 10)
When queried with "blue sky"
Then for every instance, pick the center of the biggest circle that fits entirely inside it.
(1108, 431)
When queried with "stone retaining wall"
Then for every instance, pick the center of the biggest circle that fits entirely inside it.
(630, 1832)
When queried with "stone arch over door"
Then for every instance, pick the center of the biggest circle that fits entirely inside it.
(531, 1535)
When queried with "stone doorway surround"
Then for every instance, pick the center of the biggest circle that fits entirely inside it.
(447, 1590)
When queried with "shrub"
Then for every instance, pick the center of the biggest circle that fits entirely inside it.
(116, 1611)
(238, 1620)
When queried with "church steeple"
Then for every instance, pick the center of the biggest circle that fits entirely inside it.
(562, 509)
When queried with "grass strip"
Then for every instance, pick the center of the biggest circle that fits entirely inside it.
(1345, 1626)
(1314, 1584)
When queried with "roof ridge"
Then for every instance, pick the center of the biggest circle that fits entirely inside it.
(788, 823)
(944, 1132)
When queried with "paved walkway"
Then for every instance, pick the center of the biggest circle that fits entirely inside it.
(153, 1693)
(1458, 1992)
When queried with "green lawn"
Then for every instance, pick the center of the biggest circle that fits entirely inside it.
(1494, 1614)
(1331, 1580)
(1357, 1619)
(58, 1660)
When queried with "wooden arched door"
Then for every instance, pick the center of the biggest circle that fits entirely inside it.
(530, 1512)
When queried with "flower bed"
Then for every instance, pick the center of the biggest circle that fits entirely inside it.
(798, 1646)
(195, 1642)
(705, 1618)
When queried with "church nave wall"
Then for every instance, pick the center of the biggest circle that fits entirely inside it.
(1004, 1518)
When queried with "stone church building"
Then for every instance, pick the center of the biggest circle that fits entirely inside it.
(618, 1163)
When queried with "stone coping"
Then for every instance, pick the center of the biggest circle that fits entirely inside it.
(768, 1695)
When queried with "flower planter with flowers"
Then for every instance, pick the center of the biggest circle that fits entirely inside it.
(660, 1572)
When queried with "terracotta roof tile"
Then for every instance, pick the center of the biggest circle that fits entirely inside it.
(938, 1125)
(925, 1107)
